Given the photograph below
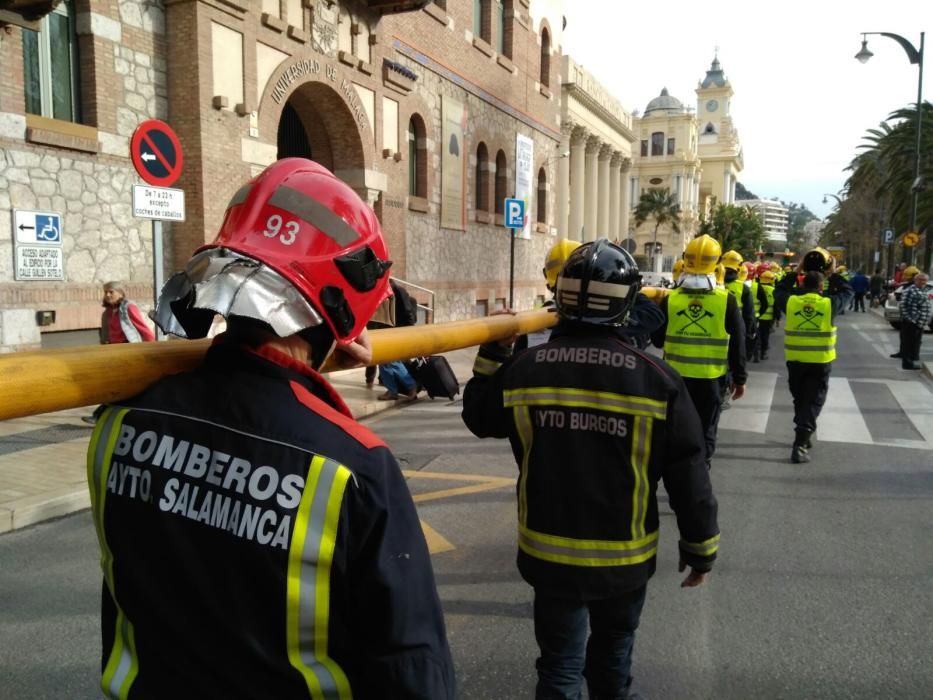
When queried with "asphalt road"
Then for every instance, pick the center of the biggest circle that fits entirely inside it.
(822, 589)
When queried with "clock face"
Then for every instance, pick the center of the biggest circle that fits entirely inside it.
(712, 106)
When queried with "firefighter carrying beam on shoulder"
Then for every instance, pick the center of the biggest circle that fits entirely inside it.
(594, 423)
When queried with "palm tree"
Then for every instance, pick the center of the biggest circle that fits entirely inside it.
(662, 206)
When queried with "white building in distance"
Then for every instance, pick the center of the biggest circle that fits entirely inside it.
(774, 216)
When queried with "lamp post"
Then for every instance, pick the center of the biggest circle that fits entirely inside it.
(914, 55)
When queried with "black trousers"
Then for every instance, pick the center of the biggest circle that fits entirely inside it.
(764, 334)
(911, 337)
(707, 398)
(858, 301)
(809, 383)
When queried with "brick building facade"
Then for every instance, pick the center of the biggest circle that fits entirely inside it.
(425, 113)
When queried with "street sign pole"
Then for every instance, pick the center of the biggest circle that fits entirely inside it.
(514, 220)
(157, 267)
(512, 271)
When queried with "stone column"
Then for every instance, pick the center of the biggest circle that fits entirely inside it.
(615, 196)
(591, 187)
(563, 181)
(625, 205)
(577, 176)
(602, 206)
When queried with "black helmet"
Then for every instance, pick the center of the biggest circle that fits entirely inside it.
(597, 284)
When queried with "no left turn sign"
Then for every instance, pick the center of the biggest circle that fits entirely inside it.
(156, 153)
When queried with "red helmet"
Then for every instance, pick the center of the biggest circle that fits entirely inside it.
(763, 267)
(294, 228)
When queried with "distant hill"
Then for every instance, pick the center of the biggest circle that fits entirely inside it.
(742, 193)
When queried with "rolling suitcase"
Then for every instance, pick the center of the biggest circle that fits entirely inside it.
(434, 375)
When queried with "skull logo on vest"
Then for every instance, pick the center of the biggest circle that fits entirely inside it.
(694, 313)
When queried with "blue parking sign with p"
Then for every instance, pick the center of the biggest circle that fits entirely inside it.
(515, 213)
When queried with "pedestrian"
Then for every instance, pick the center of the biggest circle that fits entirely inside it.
(399, 310)
(810, 342)
(594, 423)
(876, 288)
(643, 318)
(860, 286)
(899, 273)
(122, 321)
(916, 309)
(256, 541)
(704, 337)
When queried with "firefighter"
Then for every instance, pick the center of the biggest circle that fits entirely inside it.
(256, 541)
(643, 319)
(732, 262)
(809, 349)
(677, 272)
(704, 337)
(594, 423)
(816, 260)
(766, 313)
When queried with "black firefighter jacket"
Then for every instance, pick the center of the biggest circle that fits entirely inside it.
(594, 424)
(258, 543)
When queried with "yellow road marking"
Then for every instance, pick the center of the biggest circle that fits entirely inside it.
(435, 540)
(486, 483)
(437, 543)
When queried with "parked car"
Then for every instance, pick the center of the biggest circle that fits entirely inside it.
(892, 305)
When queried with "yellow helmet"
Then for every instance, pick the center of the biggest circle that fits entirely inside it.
(909, 273)
(701, 255)
(731, 260)
(556, 257)
(720, 271)
(841, 269)
(743, 273)
(678, 268)
(817, 260)
(766, 277)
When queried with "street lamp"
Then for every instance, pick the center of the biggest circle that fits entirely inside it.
(914, 55)
(826, 201)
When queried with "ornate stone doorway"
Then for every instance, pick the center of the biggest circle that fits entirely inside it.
(316, 123)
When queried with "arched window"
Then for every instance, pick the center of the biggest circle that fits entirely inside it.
(417, 157)
(482, 178)
(545, 58)
(542, 197)
(501, 181)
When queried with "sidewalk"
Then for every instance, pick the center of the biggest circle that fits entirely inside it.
(43, 458)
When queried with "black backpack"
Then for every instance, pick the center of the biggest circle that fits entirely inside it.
(406, 308)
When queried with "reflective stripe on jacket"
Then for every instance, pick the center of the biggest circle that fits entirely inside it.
(697, 344)
(809, 334)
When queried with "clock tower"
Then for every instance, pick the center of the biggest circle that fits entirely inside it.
(719, 147)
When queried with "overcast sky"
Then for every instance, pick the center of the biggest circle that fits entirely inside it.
(802, 102)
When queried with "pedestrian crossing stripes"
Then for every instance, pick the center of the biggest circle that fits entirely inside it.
(857, 411)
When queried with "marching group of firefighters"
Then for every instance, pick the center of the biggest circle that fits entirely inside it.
(268, 546)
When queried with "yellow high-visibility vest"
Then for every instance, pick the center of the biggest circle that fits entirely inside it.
(769, 294)
(809, 334)
(696, 343)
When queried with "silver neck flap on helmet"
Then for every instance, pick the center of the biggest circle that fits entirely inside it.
(228, 283)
